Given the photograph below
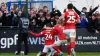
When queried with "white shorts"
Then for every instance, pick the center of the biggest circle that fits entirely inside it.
(47, 48)
(60, 42)
(70, 33)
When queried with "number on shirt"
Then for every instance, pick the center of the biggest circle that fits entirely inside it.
(71, 19)
(48, 36)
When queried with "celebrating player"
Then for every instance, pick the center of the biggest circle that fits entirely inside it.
(49, 39)
(71, 18)
(62, 37)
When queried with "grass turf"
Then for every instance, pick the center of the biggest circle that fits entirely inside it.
(34, 54)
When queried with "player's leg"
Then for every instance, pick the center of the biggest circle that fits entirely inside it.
(20, 39)
(25, 36)
(38, 54)
(55, 47)
(45, 50)
(72, 41)
(67, 32)
(60, 47)
(53, 52)
(73, 46)
(68, 48)
(57, 39)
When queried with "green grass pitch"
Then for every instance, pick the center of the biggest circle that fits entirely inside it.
(34, 54)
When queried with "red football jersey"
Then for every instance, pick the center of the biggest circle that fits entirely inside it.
(59, 32)
(70, 18)
(48, 35)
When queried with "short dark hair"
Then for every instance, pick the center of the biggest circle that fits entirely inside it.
(48, 25)
(70, 6)
(93, 14)
(45, 7)
(84, 8)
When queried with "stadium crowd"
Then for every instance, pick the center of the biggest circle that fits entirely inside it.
(38, 18)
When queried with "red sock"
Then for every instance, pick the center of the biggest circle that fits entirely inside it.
(60, 47)
(68, 49)
(72, 44)
(56, 48)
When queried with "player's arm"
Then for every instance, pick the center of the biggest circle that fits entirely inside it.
(77, 19)
(37, 35)
(76, 10)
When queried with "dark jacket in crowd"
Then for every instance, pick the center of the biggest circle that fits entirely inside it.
(4, 20)
(91, 26)
(7, 20)
(1, 19)
(97, 24)
(16, 20)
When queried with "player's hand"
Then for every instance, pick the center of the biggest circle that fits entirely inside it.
(29, 31)
(97, 31)
(98, 6)
(90, 6)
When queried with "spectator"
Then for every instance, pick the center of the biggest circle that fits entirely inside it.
(55, 12)
(91, 24)
(11, 17)
(97, 23)
(16, 11)
(23, 12)
(29, 11)
(32, 19)
(84, 21)
(97, 12)
(41, 19)
(3, 7)
(45, 10)
(35, 10)
(16, 19)
(0, 18)
(48, 18)
(84, 10)
(5, 18)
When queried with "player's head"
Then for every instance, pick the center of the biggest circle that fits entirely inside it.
(47, 25)
(70, 6)
(60, 21)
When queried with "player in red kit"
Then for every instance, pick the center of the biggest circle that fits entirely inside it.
(49, 39)
(71, 18)
(61, 36)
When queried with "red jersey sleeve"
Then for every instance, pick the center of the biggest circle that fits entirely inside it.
(37, 35)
